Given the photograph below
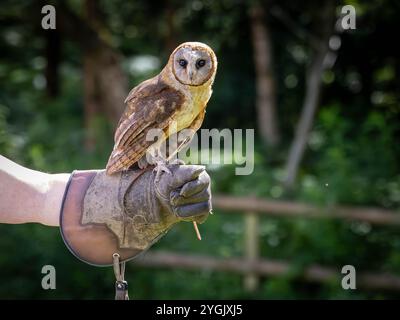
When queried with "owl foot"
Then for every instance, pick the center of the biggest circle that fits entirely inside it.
(177, 161)
(160, 166)
(142, 163)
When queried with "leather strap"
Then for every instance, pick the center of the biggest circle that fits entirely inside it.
(121, 286)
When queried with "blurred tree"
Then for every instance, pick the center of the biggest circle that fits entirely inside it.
(324, 17)
(53, 56)
(265, 83)
(171, 41)
(101, 65)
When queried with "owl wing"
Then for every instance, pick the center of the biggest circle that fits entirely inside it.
(150, 105)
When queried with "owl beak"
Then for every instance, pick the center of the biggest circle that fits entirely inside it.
(190, 74)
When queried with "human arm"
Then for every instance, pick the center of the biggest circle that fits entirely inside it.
(30, 196)
(102, 214)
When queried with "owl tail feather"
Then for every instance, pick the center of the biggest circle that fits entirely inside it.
(117, 162)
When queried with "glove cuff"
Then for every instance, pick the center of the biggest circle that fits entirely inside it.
(93, 243)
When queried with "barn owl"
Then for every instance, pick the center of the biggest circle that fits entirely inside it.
(173, 100)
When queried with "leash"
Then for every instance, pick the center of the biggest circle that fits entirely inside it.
(121, 286)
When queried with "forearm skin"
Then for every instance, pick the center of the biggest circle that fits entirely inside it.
(29, 196)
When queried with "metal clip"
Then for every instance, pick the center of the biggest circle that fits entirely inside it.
(121, 286)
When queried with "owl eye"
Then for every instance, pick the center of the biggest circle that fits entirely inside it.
(183, 63)
(200, 63)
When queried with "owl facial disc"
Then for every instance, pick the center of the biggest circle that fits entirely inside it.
(193, 63)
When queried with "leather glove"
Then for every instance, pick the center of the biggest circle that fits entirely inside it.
(127, 212)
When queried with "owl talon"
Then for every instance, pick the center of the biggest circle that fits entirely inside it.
(161, 167)
(177, 161)
(142, 163)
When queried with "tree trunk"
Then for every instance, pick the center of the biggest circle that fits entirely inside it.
(105, 85)
(265, 82)
(170, 35)
(325, 25)
(53, 51)
(313, 89)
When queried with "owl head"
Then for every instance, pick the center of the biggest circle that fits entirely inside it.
(193, 63)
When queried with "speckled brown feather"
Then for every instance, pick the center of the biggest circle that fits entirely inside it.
(149, 105)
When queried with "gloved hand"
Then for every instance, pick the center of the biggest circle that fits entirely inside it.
(127, 212)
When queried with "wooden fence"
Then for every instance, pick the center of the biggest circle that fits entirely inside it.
(252, 266)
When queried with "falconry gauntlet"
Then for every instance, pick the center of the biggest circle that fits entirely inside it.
(127, 212)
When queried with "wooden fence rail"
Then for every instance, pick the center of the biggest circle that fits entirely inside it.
(295, 209)
(266, 267)
(252, 266)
